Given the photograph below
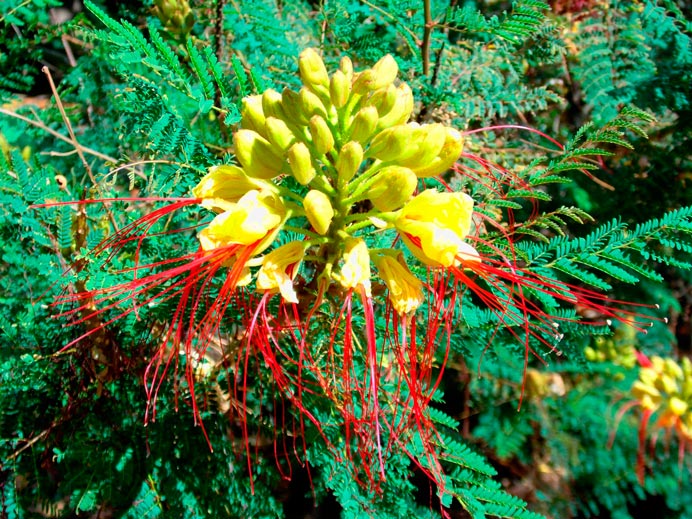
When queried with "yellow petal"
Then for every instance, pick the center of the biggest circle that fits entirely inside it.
(405, 289)
(279, 269)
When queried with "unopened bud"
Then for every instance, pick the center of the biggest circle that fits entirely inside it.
(339, 89)
(386, 70)
(313, 73)
(393, 188)
(322, 137)
(677, 406)
(256, 155)
(300, 162)
(251, 114)
(319, 210)
(349, 161)
(278, 133)
(402, 109)
(364, 124)
(392, 144)
(310, 104)
(383, 99)
(271, 104)
(346, 66)
(292, 107)
(429, 140)
(448, 155)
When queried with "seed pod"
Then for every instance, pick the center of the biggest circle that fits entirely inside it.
(392, 144)
(319, 210)
(393, 188)
(278, 134)
(402, 109)
(256, 155)
(322, 138)
(300, 162)
(452, 148)
(252, 115)
(339, 89)
(349, 161)
(364, 124)
(313, 73)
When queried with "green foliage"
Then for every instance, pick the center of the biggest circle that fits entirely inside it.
(72, 435)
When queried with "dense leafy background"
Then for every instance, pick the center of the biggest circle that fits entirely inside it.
(609, 79)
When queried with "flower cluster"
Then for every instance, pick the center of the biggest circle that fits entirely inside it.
(356, 162)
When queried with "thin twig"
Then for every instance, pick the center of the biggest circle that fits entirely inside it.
(427, 32)
(57, 135)
(75, 143)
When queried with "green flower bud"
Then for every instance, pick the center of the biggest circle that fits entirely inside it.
(322, 138)
(319, 210)
(278, 133)
(448, 155)
(395, 143)
(429, 140)
(346, 66)
(313, 73)
(386, 70)
(402, 109)
(251, 114)
(349, 161)
(364, 124)
(310, 104)
(339, 89)
(292, 107)
(383, 99)
(256, 155)
(392, 188)
(271, 104)
(300, 162)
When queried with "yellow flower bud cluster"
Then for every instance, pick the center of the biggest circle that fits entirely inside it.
(665, 387)
(612, 350)
(175, 15)
(345, 142)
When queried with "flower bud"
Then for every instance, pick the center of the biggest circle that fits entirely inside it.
(364, 124)
(392, 144)
(256, 155)
(677, 406)
(278, 133)
(386, 70)
(322, 137)
(252, 116)
(428, 140)
(402, 109)
(346, 66)
(673, 368)
(313, 73)
(392, 188)
(383, 99)
(339, 89)
(349, 161)
(292, 108)
(271, 104)
(300, 162)
(310, 104)
(319, 210)
(448, 155)
(362, 81)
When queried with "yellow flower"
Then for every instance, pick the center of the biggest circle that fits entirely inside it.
(255, 217)
(223, 186)
(279, 268)
(355, 271)
(433, 226)
(405, 289)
